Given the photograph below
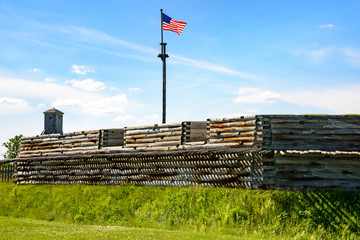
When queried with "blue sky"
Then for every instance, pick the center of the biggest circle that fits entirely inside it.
(97, 61)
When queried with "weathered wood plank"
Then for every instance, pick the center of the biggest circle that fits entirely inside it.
(233, 124)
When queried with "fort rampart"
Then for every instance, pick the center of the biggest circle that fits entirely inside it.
(262, 151)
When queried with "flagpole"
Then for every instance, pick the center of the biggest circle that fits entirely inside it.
(163, 57)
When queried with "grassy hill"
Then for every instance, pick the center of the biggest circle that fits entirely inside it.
(270, 214)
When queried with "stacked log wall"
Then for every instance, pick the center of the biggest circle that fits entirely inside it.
(112, 137)
(157, 137)
(59, 144)
(244, 131)
(195, 132)
(220, 169)
(317, 169)
(313, 132)
(307, 151)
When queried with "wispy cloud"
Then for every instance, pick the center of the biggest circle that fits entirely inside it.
(326, 26)
(108, 44)
(12, 106)
(99, 37)
(49, 79)
(315, 55)
(100, 106)
(135, 89)
(132, 120)
(256, 95)
(87, 84)
(352, 55)
(320, 54)
(125, 118)
(36, 70)
(340, 100)
(61, 96)
(212, 67)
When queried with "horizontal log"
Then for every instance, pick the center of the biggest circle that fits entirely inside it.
(152, 131)
(314, 137)
(232, 139)
(59, 150)
(197, 125)
(319, 183)
(232, 119)
(326, 168)
(318, 131)
(313, 116)
(155, 135)
(318, 121)
(153, 140)
(320, 154)
(114, 130)
(168, 125)
(311, 125)
(233, 124)
(57, 135)
(196, 139)
(163, 143)
(232, 134)
(233, 129)
(196, 131)
(196, 135)
(316, 161)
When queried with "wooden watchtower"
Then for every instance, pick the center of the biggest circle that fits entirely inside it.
(53, 121)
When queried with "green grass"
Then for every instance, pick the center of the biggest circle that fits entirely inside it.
(29, 229)
(197, 211)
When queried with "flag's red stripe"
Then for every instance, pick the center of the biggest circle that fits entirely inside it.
(174, 26)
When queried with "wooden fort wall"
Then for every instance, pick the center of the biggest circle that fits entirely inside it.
(263, 151)
(312, 132)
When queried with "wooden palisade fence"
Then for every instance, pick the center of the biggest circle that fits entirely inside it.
(262, 151)
(6, 173)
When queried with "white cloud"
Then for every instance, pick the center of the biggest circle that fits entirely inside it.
(352, 55)
(134, 89)
(212, 67)
(77, 100)
(101, 38)
(41, 105)
(108, 44)
(347, 54)
(49, 79)
(339, 100)
(36, 70)
(87, 84)
(12, 105)
(125, 118)
(319, 54)
(81, 69)
(326, 26)
(153, 117)
(256, 95)
(315, 55)
(44, 91)
(95, 105)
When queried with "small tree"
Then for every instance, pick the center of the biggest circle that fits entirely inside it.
(12, 146)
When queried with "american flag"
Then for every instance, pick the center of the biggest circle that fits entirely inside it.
(170, 24)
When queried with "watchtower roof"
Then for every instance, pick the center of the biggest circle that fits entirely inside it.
(54, 110)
